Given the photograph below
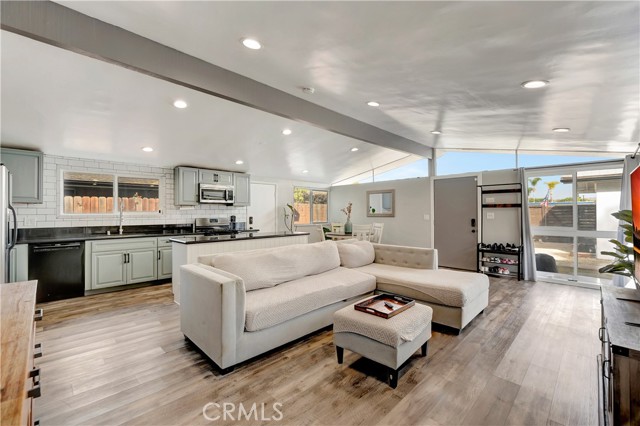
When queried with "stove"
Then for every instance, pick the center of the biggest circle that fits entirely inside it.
(213, 226)
(209, 226)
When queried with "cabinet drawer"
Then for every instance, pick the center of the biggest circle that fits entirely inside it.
(164, 242)
(123, 244)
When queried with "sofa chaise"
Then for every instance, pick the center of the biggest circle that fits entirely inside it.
(235, 306)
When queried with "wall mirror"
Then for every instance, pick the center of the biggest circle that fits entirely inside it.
(381, 203)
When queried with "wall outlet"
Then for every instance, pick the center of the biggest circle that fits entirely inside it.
(30, 221)
(491, 215)
(426, 217)
(491, 200)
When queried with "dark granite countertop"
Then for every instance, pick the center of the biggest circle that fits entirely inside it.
(200, 239)
(63, 235)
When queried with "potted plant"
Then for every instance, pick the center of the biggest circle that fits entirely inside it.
(623, 257)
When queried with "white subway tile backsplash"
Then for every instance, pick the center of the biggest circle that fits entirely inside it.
(47, 214)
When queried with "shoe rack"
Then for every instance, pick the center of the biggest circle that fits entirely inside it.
(501, 259)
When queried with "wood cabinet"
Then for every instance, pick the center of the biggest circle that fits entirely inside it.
(165, 258)
(26, 170)
(619, 362)
(215, 177)
(116, 262)
(242, 194)
(20, 380)
(186, 186)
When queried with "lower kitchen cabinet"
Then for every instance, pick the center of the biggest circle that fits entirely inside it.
(142, 266)
(164, 258)
(117, 262)
(108, 269)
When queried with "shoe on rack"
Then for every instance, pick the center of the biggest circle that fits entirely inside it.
(501, 247)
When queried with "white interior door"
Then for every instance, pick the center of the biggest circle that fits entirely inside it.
(263, 206)
(455, 211)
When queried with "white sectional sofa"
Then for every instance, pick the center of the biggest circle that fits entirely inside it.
(235, 306)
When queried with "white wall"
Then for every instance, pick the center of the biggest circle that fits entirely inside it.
(412, 202)
(47, 214)
(284, 195)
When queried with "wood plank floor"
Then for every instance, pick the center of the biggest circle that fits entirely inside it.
(119, 358)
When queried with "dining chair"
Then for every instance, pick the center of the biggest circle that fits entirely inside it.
(320, 230)
(337, 228)
(362, 232)
(377, 232)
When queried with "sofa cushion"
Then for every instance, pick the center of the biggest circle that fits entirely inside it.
(442, 286)
(269, 267)
(354, 254)
(271, 306)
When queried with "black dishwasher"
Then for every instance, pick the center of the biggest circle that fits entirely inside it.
(59, 269)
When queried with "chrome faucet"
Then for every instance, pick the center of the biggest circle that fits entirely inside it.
(121, 218)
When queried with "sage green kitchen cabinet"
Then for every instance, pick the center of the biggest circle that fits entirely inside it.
(26, 170)
(142, 266)
(165, 258)
(120, 261)
(108, 269)
(215, 177)
(186, 186)
(242, 194)
(19, 263)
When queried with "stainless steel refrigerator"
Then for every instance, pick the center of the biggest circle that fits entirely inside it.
(9, 224)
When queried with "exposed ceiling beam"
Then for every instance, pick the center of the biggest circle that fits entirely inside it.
(57, 25)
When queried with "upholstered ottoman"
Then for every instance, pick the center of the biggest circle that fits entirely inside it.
(389, 342)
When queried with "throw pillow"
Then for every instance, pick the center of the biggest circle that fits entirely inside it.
(356, 253)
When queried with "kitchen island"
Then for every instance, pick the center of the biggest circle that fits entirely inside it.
(187, 249)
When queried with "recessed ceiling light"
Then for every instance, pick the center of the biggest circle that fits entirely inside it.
(436, 132)
(179, 103)
(373, 104)
(534, 84)
(239, 162)
(147, 149)
(561, 129)
(251, 43)
(354, 149)
(286, 132)
(305, 171)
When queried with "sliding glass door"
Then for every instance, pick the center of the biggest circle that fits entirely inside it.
(570, 211)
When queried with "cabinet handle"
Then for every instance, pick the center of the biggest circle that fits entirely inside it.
(34, 392)
(604, 369)
(34, 373)
(38, 314)
(159, 254)
(124, 257)
(37, 350)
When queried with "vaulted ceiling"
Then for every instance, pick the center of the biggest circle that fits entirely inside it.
(449, 66)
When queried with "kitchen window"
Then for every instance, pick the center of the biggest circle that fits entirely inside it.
(312, 205)
(89, 193)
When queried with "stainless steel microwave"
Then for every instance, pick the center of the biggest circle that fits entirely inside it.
(216, 194)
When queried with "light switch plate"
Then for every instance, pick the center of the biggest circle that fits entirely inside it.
(426, 217)
(491, 215)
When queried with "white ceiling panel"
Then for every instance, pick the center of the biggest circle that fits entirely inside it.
(456, 66)
(68, 104)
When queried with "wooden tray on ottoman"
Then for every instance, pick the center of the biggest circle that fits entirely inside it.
(376, 305)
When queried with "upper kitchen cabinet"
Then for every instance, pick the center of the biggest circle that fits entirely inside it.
(215, 177)
(186, 186)
(26, 169)
(242, 195)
